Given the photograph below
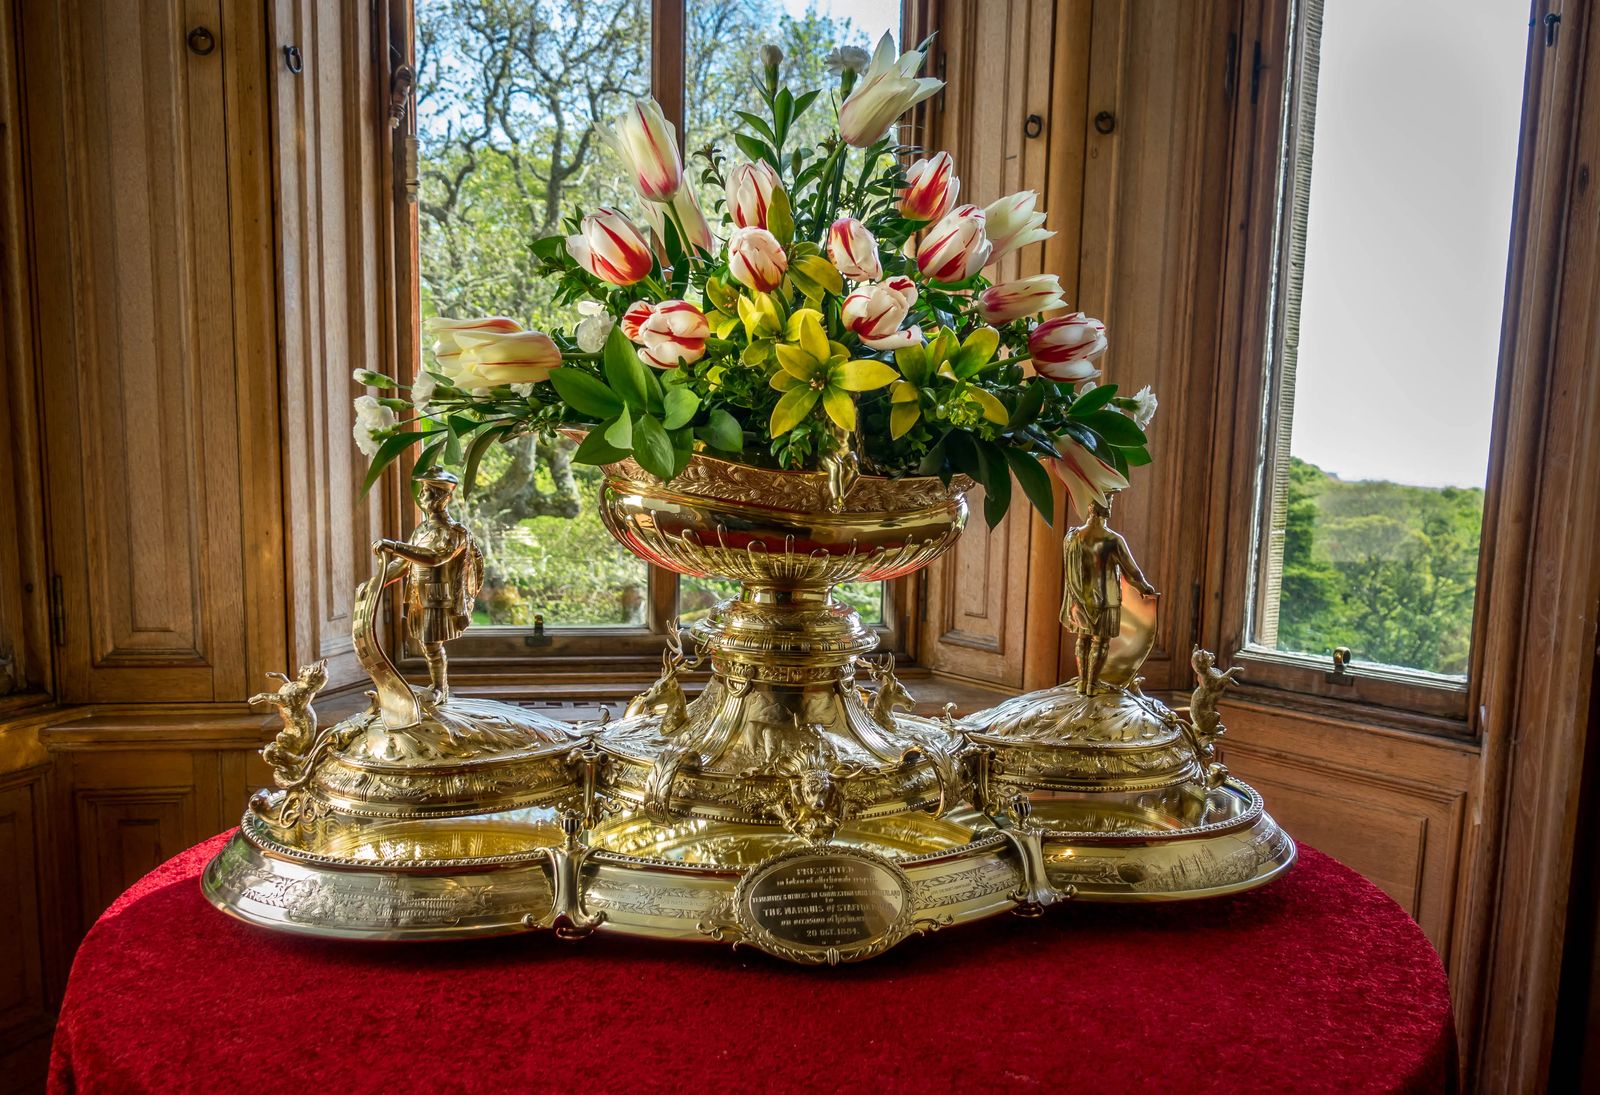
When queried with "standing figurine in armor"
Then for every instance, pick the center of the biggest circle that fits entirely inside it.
(443, 569)
(1093, 560)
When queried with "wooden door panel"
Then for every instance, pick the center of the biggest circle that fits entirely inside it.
(1150, 254)
(132, 219)
(999, 61)
(332, 246)
(24, 996)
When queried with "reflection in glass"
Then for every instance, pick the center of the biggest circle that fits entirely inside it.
(1399, 204)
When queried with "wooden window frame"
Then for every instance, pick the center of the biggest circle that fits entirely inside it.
(1251, 445)
(562, 653)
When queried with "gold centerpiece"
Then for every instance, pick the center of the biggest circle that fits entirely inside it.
(796, 398)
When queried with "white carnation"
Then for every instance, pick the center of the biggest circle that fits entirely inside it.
(422, 390)
(853, 58)
(524, 390)
(1144, 411)
(593, 328)
(372, 420)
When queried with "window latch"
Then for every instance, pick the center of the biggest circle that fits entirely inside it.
(1341, 667)
(538, 638)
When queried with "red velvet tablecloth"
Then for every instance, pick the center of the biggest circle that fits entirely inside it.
(1316, 983)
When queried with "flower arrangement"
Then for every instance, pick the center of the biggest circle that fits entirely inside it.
(831, 312)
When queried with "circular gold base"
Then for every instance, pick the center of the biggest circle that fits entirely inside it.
(358, 878)
(1176, 844)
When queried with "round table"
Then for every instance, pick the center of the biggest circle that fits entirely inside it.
(1318, 982)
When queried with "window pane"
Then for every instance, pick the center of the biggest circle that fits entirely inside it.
(722, 64)
(724, 42)
(1399, 207)
(510, 95)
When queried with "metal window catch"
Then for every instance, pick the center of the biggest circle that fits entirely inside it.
(292, 58)
(202, 41)
(538, 638)
(1105, 122)
(1341, 667)
(1032, 126)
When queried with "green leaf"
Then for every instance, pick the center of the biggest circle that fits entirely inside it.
(1137, 458)
(387, 452)
(594, 450)
(550, 247)
(753, 148)
(584, 394)
(804, 100)
(1028, 406)
(757, 123)
(625, 373)
(1092, 400)
(619, 432)
(977, 350)
(913, 363)
(480, 445)
(682, 449)
(780, 217)
(996, 481)
(723, 432)
(1035, 482)
(862, 376)
(783, 110)
(681, 403)
(1116, 428)
(653, 448)
(654, 394)
(792, 409)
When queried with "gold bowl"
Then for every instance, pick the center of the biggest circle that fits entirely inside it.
(781, 736)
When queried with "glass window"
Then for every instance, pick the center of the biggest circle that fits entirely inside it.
(512, 101)
(1397, 196)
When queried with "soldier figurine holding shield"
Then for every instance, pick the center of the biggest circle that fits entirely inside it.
(443, 569)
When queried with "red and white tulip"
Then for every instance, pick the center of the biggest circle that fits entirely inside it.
(1086, 477)
(444, 330)
(956, 247)
(931, 189)
(1065, 348)
(876, 310)
(1012, 223)
(756, 259)
(888, 89)
(1026, 297)
(489, 359)
(854, 250)
(649, 148)
(611, 248)
(668, 334)
(750, 190)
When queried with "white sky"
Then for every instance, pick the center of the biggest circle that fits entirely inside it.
(1417, 118)
(872, 16)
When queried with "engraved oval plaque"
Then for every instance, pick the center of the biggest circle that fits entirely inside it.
(825, 904)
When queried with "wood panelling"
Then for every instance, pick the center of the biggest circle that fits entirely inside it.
(128, 132)
(333, 210)
(26, 1000)
(1392, 805)
(24, 625)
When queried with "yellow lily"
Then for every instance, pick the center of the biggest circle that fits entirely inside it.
(812, 368)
